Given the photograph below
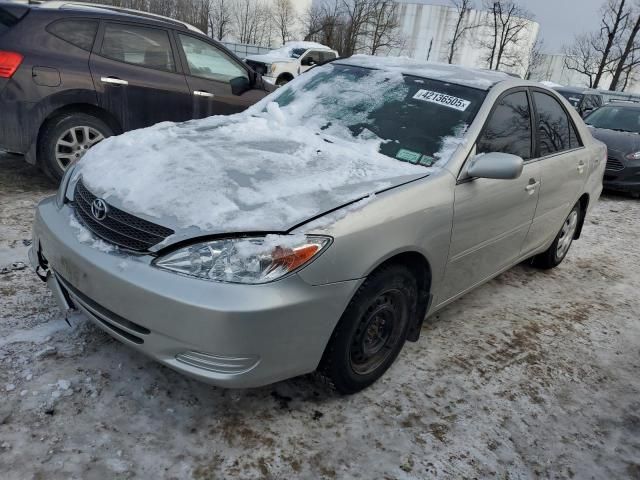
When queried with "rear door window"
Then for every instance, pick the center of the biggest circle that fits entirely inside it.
(78, 32)
(144, 46)
(508, 129)
(554, 126)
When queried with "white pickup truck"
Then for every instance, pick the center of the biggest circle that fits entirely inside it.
(283, 64)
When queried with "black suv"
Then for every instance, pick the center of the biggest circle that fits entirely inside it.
(584, 100)
(72, 74)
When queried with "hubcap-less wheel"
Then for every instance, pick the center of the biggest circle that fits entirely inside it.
(378, 332)
(74, 143)
(566, 234)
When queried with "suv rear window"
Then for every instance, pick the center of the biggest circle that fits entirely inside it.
(80, 33)
(144, 46)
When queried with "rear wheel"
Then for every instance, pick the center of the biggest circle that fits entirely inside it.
(554, 255)
(372, 330)
(66, 138)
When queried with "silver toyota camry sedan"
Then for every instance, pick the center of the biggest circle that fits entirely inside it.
(317, 230)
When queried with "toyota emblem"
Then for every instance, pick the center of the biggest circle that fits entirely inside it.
(99, 209)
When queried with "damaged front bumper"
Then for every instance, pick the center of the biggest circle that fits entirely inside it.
(226, 334)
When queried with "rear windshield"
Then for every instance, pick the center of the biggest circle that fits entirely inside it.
(417, 120)
(623, 119)
(574, 98)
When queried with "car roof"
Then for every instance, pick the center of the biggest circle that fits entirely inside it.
(623, 103)
(471, 77)
(109, 10)
(583, 91)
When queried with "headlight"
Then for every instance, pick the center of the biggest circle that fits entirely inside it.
(244, 260)
(64, 184)
(633, 156)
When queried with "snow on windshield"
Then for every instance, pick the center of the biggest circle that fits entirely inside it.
(266, 169)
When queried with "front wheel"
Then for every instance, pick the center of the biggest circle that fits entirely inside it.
(554, 255)
(372, 330)
(66, 138)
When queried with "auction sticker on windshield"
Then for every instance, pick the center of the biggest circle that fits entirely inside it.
(442, 99)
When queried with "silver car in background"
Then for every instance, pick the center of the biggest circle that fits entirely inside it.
(316, 231)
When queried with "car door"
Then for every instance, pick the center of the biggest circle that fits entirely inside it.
(219, 84)
(492, 217)
(136, 77)
(563, 167)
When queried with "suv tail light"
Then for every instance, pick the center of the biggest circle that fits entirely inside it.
(9, 63)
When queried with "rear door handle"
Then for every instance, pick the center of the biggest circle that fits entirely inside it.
(201, 93)
(531, 187)
(581, 166)
(113, 81)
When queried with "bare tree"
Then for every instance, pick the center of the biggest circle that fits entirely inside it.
(581, 57)
(383, 26)
(627, 58)
(356, 15)
(509, 22)
(220, 19)
(463, 7)
(283, 18)
(614, 20)
(252, 21)
(536, 58)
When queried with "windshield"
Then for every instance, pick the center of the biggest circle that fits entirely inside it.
(574, 98)
(416, 120)
(623, 119)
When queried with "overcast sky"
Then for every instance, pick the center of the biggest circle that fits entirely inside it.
(559, 20)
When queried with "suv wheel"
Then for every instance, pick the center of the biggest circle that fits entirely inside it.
(554, 255)
(372, 330)
(66, 138)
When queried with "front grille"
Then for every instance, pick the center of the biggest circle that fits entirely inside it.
(118, 227)
(258, 67)
(614, 164)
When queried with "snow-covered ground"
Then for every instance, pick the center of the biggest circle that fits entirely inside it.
(534, 375)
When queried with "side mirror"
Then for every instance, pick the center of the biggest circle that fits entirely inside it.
(503, 166)
(239, 85)
(586, 112)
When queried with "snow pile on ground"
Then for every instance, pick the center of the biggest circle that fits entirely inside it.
(272, 167)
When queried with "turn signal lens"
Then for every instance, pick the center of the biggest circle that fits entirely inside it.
(9, 63)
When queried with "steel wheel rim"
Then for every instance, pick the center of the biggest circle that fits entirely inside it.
(74, 143)
(566, 234)
(378, 332)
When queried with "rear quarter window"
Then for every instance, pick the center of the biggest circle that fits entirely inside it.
(80, 33)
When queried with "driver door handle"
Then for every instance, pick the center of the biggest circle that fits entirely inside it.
(531, 187)
(202, 93)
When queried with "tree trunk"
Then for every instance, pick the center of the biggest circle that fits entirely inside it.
(607, 49)
(625, 55)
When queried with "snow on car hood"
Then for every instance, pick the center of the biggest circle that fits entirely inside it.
(234, 174)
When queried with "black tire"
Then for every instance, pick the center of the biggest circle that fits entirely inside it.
(554, 255)
(55, 130)
(283, 80)
(371, 331)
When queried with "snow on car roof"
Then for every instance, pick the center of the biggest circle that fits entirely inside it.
(286, 51)
(471, 77)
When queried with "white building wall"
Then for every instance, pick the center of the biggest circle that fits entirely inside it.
(427, 29)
